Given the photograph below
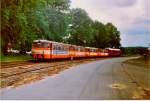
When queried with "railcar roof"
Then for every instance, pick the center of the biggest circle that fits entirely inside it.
(41, 41)
(52, 42)
(91, 47)
(113, 49)
(61, 43)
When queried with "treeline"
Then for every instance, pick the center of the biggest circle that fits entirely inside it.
(135, 51)
(26, 20)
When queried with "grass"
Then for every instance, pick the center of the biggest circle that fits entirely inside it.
(13, 58)
(142, 61)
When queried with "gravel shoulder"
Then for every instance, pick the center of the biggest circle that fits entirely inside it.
(138, 71)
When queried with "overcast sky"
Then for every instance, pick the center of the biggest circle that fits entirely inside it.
(132, 17)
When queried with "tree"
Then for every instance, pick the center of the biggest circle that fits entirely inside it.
(100, 36)
(26, 20)
(57, 22)
(113, 36)
(81, 27)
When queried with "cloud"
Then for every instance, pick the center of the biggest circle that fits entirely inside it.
(129, 39)
(124, 3)
(127, 15)
(121, 12)
(116, 3)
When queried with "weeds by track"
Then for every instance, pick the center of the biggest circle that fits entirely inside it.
(15, 74)
(34, 68)
(14, 64)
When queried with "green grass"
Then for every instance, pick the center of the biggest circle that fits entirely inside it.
(13, 58)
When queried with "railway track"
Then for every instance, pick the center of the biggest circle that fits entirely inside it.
(38, 68)
(22, 69)
(14, 64)
(24, 63)
(32, 72)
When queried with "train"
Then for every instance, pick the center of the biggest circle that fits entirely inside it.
(45, 49)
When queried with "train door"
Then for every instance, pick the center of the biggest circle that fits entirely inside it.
(53, 51)
(66, 50)
(50, 50)
(87, 52)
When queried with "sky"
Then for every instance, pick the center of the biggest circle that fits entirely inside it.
(131, 17)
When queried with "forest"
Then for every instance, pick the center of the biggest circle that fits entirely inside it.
(23, 21)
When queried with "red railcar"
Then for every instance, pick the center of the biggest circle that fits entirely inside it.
(114, 52)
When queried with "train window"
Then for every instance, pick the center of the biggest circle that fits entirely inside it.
(76, 48)
(53, 47)
(56, 47)
(35, 44)
(45, 45)
(106, 51)
(82, 49)
(79, 49)
(50, 45)
(91, 50)
(86, 50)
(64, 47)
(67, 47)
(72, 48)
(59, 48)
(41, 45)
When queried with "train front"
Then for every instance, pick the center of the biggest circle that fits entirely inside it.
(41, 49)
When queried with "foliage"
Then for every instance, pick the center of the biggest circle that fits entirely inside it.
(80, 33)
(100, 36)
(134, 50)
(113, 36)
(26, 20)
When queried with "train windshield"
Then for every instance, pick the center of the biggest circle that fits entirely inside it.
(40, 45)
